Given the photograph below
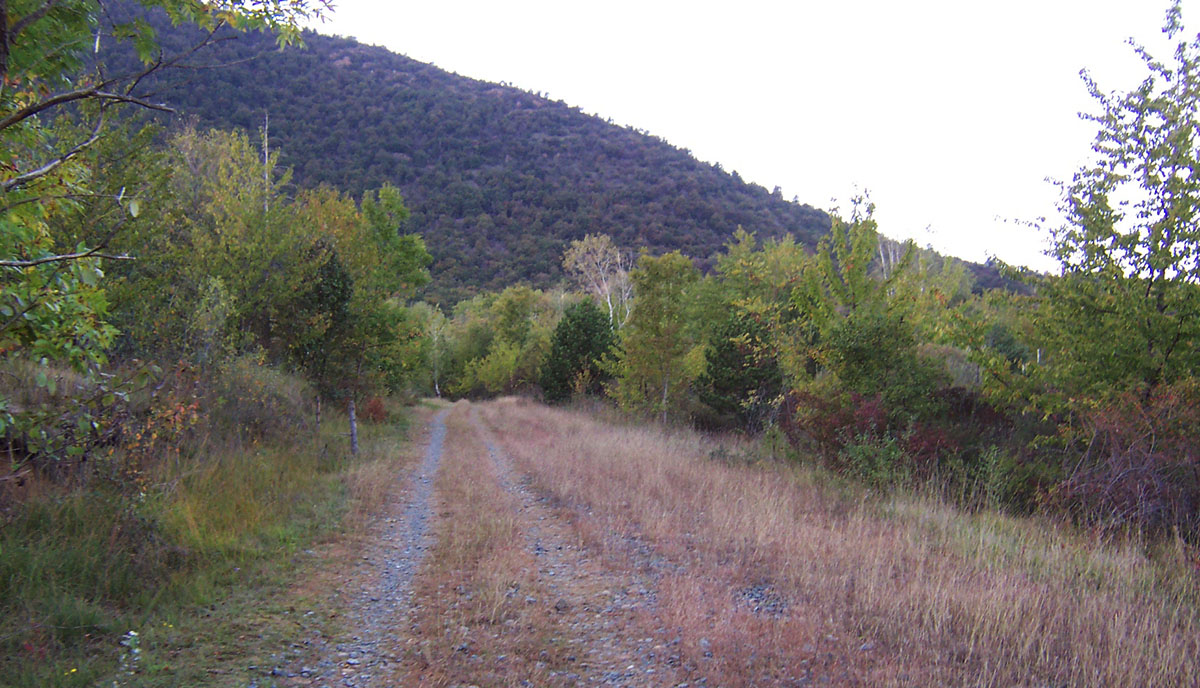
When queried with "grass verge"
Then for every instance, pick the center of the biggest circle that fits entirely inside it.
(781, 574)
(189, 582)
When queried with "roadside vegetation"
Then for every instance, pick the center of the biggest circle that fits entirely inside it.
(176, 570)
(202, 368)
(186, 350)
(771, 570)
(1072, 394)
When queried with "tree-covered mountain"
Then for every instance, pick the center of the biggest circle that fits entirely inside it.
(498, 179)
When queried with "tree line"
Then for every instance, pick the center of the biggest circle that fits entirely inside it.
(134, 254)
(1076, 395)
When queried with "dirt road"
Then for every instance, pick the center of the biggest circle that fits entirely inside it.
(535, 546)
(556, 614)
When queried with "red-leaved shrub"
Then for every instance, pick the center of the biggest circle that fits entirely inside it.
(374, 410)
(1141, 467)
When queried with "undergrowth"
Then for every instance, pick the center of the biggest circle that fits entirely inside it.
(101, 584)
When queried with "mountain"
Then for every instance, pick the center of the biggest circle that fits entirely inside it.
(499, 180)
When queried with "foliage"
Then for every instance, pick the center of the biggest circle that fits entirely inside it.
(357, 337)
(650, 366)
(875, 353)
(742, 379)
(1125, 312)
(499, 341)
(580, 341)
(760, 283)
(55, 104)
(876, 460)
(861, 318)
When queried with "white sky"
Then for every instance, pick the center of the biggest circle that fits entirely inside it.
(952, 113)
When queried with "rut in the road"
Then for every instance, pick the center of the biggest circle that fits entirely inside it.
(607, 610)
(377, 611)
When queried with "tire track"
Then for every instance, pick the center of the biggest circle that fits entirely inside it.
(378, 611)
(606, 610)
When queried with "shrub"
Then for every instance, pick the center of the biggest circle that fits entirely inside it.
(253, 401)
(1141, 465)
(876, 460)
(374, 410)
(741, 379)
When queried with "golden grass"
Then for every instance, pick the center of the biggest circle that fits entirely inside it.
(878, 590)
(472, 625)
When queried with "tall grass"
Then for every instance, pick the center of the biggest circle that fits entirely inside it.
(82, 566)
(468, 587)
(858, 586)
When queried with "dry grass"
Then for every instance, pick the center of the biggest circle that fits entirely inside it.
(386, 457)
(473, 624)
(871, 590)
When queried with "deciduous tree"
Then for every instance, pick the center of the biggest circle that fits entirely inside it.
(650, 366)
(1125, 312)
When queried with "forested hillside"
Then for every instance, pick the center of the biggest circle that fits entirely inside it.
(498, 180)
(190, 335)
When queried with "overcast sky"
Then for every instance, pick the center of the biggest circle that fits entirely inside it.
(952, 113)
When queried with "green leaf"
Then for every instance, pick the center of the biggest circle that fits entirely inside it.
(135, 208)
(89, 276)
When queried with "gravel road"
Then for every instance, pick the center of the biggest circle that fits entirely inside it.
(380, 606)
(607, 610)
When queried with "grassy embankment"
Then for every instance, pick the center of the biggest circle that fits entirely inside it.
(868, 588)
(183, 579)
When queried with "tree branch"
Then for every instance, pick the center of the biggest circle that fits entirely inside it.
(72, 96)
(23, 179)
(90, 253)
(60, 99)
(133, 100)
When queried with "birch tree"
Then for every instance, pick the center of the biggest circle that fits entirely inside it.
(602, 269)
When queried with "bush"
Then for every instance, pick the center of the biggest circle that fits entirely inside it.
(1141, 465)
(253, 401)
(741, 381)
(374, 410)
(876, 460)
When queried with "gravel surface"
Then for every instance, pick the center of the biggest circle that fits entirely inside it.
(610, 613)
(379, 605)
(607, 613)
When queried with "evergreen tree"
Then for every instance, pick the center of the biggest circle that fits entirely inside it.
(581, 339)
(742, 379)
